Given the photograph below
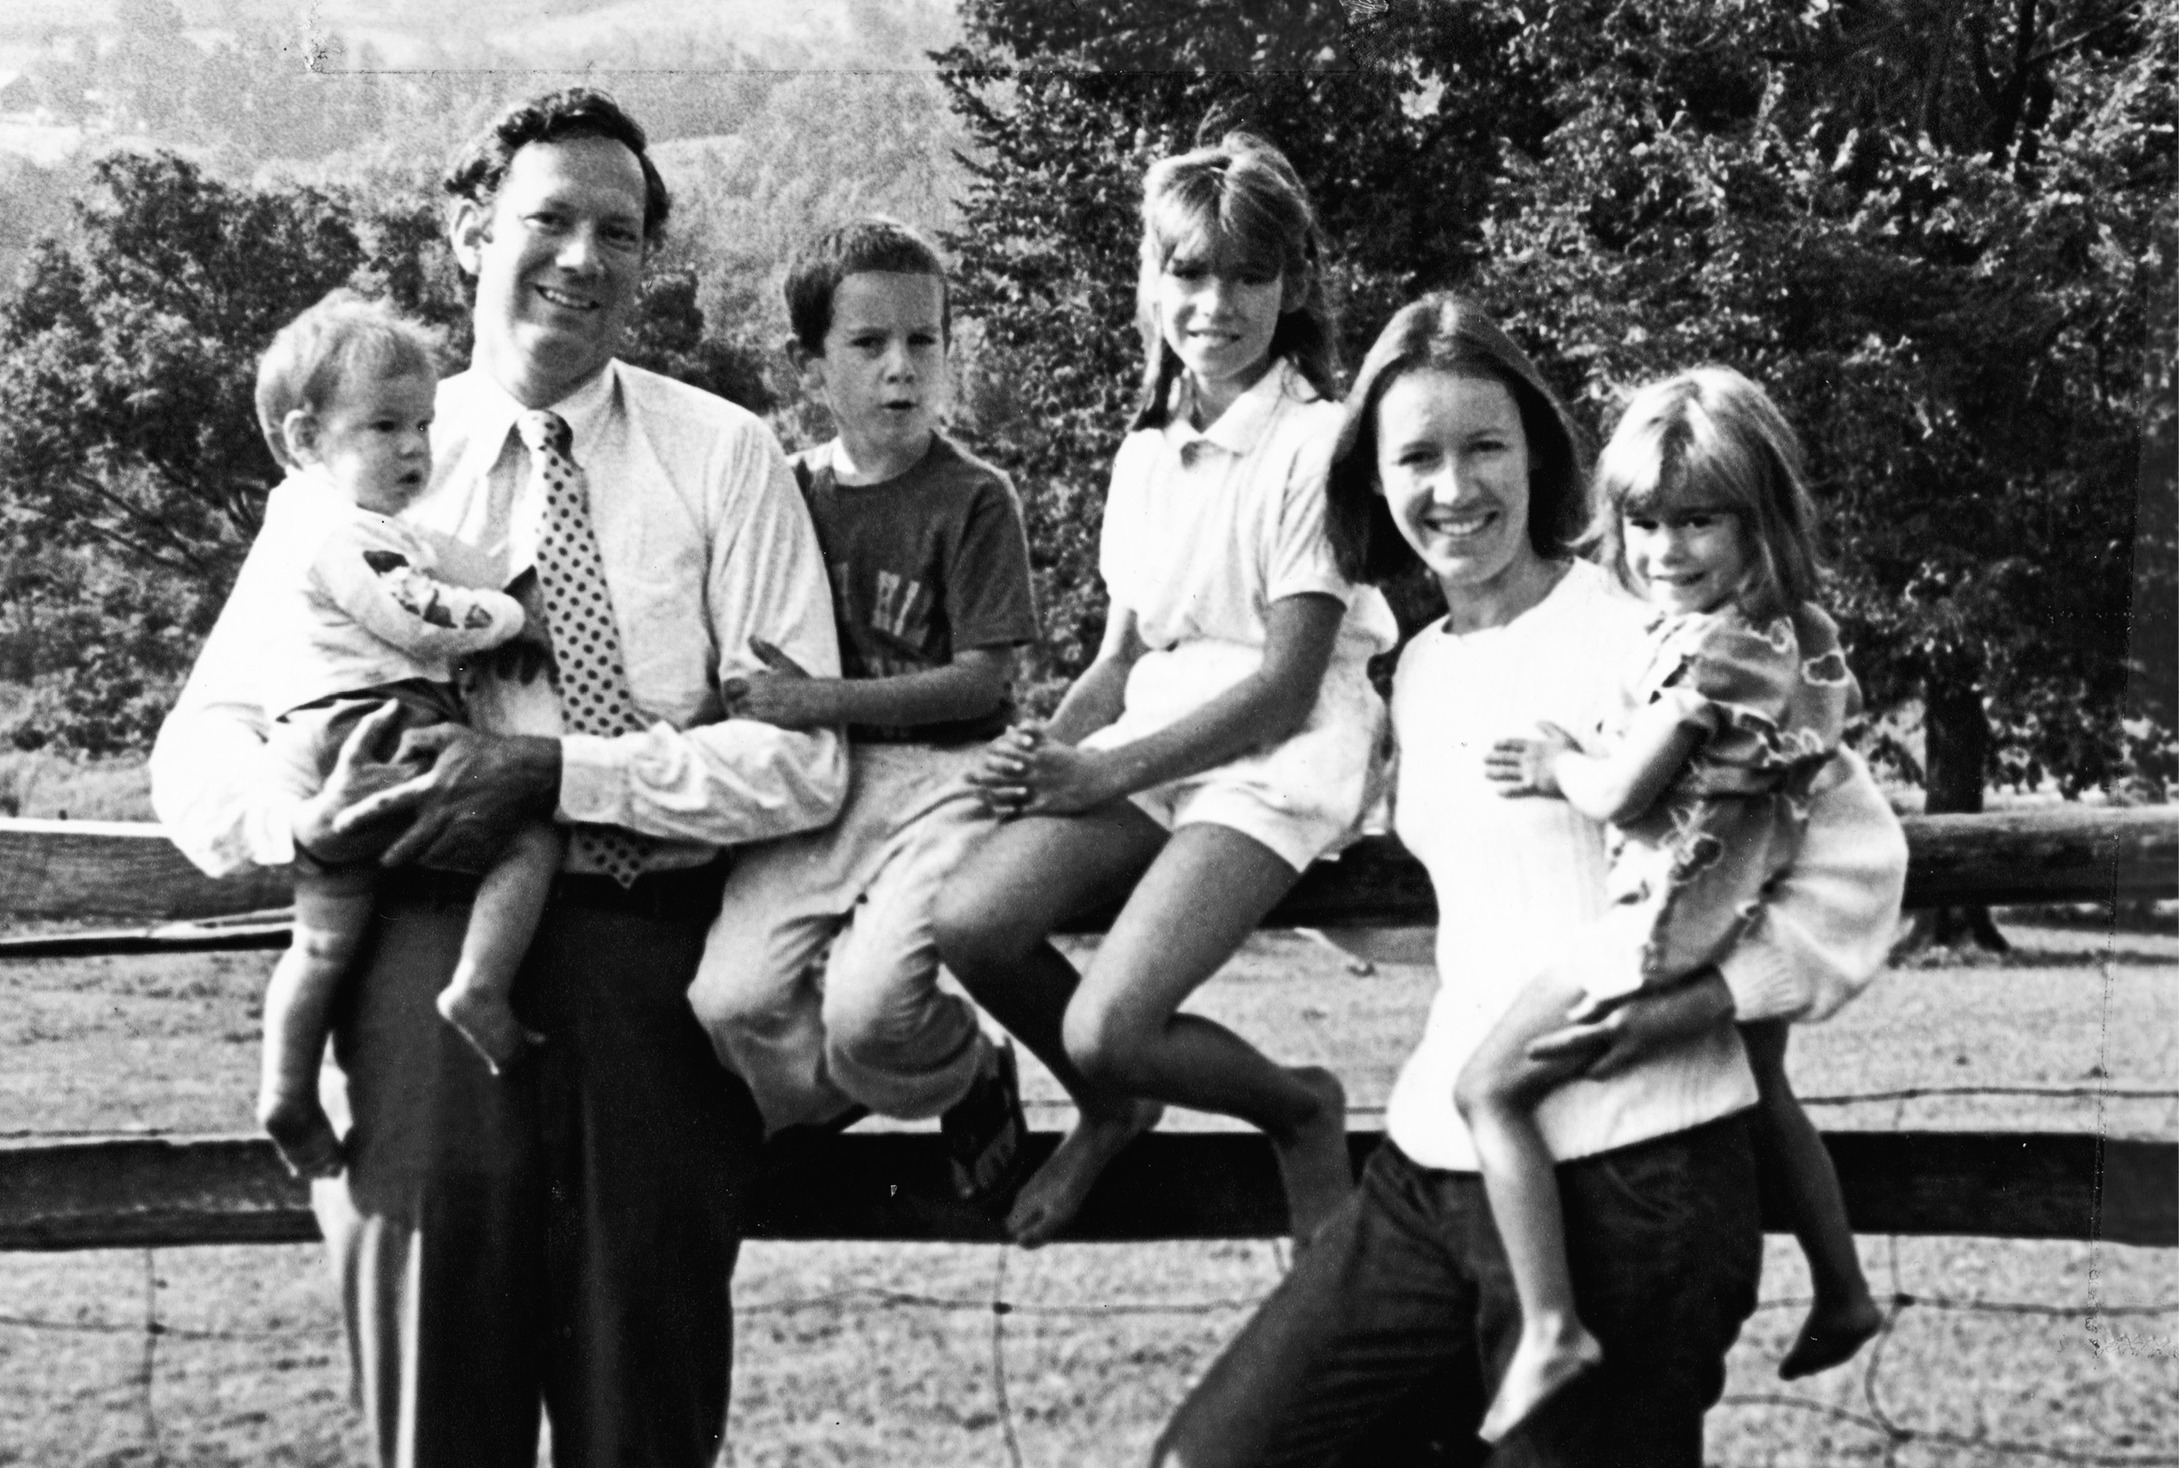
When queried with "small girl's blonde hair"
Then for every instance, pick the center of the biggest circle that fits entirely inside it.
(1709, 436)
(1240, 196)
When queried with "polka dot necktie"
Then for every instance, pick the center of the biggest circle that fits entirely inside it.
(594, 696)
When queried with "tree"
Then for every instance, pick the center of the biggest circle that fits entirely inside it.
(1942, 234)
(1935, 234)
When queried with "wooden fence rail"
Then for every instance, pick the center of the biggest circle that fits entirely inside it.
(130, 872)
(137, 1191)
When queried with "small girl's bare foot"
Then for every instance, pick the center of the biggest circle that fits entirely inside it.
(488, 1023)
(1056, 1191)
(1552, 1353)
(1313, 1161)
(300, 1132)
(1833, 1331)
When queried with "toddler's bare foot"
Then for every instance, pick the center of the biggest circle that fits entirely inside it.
(1313, 1161)
(1552, 1353)
(1833, 1331)
(488, 1023)
(1056, 1191)
(300, 1132)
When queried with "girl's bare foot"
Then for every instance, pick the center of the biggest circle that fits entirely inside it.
(1056, 1191)
(1552, 1353)
(1313, 1160)
(300, 1132)
(1833, 1331)
(487, 1021)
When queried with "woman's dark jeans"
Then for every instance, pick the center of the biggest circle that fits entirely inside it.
(1384, 1343)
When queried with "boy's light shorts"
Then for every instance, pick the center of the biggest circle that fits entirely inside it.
(1303, 797)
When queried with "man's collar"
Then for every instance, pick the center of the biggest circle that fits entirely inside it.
(492, 410)
(1246, 419)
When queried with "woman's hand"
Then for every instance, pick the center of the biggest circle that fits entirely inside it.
(1524, 765)
(1640, 1028)
(999, 777)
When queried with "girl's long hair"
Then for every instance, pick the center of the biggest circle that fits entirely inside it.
(1709, 436)
(1241, 202)
(1449, 333)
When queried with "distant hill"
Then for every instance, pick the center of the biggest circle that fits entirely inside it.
(812, 34)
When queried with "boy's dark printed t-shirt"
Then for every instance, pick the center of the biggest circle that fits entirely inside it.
(922, 564)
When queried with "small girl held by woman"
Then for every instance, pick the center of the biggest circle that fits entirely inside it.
(1226, 734)
(1737, 701)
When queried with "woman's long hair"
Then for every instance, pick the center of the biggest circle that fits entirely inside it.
(1450, 333)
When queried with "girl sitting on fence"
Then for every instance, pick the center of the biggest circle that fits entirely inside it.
(1226, 734)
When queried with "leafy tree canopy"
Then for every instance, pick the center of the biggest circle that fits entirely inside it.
(1942, 234)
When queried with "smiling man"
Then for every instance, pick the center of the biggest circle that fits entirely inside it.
(563, 1233)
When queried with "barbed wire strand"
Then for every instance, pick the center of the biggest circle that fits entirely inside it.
(885, 1299)
(1878, 1418)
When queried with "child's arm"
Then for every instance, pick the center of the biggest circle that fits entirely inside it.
(1264, 708)
(973, 683)
(1616, 786)
(392, 593)
(1099, 696)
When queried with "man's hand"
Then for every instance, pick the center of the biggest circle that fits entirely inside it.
(1524, 765)
(323, 827)
(473, 791)
(1639, 1029)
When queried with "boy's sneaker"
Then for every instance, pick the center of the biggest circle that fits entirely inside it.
(984, 1132)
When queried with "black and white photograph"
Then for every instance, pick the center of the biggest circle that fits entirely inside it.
(1061, 733)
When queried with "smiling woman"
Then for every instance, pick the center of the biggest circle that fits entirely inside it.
(1454, 454)
(1452, 465)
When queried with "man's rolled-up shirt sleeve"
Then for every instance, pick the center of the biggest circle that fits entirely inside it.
(1826, 925)
(736, 780)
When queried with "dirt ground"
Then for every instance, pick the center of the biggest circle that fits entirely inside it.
(858, 1354)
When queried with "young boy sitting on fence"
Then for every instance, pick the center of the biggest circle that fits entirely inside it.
(345, 398)
(930, 580)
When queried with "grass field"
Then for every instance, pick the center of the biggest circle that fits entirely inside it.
(892, 1354)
